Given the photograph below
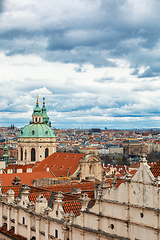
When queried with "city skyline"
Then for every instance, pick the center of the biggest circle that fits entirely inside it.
(95, 62)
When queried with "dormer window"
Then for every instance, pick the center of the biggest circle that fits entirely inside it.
(33, 132)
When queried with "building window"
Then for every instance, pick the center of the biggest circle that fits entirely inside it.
(36, 119)
(46, 152)
(23, 220)
(112, 226)
(33, 154)
(90, 169)
(39, 120)
(25, 154)
(142, 215)
(21, 154)
(56, 233)
(56, 213)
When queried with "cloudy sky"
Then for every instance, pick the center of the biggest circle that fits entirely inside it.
(97, 62)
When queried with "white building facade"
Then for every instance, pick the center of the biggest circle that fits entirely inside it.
(130, 211)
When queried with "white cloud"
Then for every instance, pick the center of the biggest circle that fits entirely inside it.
(91, 67)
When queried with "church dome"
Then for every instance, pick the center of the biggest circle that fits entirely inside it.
(37, 130)
(40, 125)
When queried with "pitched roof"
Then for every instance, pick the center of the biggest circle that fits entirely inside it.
(11, 233)
(135, 165)
(60, 164)
(16, 189)
(15, 167)
(26, 178)
(156, 169)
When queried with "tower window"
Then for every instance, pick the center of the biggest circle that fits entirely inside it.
(46, 153)
(56, 233)
(33, 154)
(23, 220)
(21, 154)
(25, 153)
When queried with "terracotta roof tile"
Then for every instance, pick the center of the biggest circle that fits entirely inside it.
(72, 207)
(60, 163)
(16, 189)
(15, 167)
(26, 178)
(156, 169)
(11, 233)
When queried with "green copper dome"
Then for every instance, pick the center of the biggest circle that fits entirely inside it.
(40, 126)
(37, 130)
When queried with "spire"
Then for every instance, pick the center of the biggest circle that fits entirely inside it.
(45, 116)
(37, 110)
(44, 103)
(5, 155)
(37, 103)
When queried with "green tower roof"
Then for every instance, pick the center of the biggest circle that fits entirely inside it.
(45, 116)
(37, 110)
(5, 155)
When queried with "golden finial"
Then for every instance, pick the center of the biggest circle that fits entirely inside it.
(37, 99)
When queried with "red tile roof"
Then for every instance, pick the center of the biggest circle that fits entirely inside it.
(72, 206)
(15, 167)
(16, 189)
(26, 178)
(118, 182)
(156, 169)
(67, 187)
(135, 165)
(132, 172)
(59, 163)
(11, 233)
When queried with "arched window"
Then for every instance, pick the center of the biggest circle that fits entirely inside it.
(21, 154)
(25, 153)
(46, 152)
(90, 169)
(33, 154)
